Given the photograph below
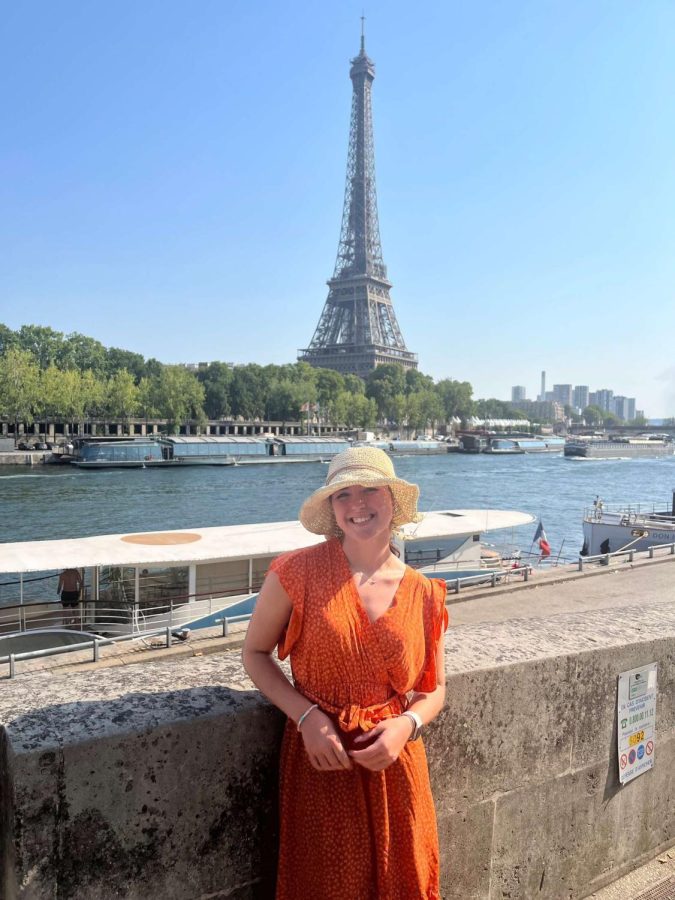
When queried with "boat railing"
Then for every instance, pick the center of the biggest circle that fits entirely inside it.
(119, 617)
(629, 555)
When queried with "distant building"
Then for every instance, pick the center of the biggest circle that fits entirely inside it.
(604, 398)
(518, 393)
(624, 408)
(542, 393)
(541, 409)
(580, 397)
(562, 393)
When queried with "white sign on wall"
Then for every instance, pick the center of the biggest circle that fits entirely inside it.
(636, 716)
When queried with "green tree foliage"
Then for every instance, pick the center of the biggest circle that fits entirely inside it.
(116, 359)
(119, 383)
(497, 409)
(19, 385)
(121, 396)
(456, 397)
(178, 395)
(247, 392)
(43, 343)
(382, 386)
(216, 379)
(593, 415)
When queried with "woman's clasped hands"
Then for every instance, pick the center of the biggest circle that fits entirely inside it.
(381, 745)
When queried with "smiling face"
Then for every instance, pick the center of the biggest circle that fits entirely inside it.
(363, 512)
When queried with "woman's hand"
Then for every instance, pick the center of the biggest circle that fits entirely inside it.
(387, 739)
(322, 743)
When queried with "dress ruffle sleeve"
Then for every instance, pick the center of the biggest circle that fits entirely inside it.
(435, 623)
(290, 569)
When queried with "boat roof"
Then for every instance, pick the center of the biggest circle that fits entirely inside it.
(224, 542)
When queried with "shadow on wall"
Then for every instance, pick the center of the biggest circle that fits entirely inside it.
(170, 794)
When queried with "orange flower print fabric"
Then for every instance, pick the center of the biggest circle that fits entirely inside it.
(356, 834)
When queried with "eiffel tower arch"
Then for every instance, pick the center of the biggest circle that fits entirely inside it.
(358, 329)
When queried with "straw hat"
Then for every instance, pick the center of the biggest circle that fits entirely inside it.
(365, 466)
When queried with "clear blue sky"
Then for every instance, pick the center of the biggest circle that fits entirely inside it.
(172, 176)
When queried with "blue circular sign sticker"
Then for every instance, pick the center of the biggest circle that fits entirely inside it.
(641, 751)
(631, 757)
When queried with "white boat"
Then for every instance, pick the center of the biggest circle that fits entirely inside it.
(608, 530)
(138, 583)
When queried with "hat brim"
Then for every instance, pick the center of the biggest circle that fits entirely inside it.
(316, 513)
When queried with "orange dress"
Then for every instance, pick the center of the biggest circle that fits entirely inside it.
(356, 834)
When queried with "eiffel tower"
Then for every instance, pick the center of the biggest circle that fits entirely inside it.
(358, 330)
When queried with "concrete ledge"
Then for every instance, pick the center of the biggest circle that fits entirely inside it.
(158, 780)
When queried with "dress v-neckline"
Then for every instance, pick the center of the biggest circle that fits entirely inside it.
(357, 596)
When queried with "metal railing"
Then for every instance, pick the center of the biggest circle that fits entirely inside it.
(94, 645)
(604, 558)
(490, 577)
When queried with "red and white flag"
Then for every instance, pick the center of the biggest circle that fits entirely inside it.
(540, 537)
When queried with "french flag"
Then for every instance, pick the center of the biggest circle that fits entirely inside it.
(540, 536)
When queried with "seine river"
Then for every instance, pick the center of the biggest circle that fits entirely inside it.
(50, 502)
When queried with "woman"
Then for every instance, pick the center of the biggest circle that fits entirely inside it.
(365, 637)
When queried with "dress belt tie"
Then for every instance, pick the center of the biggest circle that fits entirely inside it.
(353, 717)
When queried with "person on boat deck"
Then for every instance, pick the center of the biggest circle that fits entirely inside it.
(69, 588)
(364, 633)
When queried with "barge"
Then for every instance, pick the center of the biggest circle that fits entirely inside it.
(618, 448)
(636, 527)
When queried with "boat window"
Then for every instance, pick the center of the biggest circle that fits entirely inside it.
(160, 587)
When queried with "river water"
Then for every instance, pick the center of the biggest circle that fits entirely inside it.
(51, 502)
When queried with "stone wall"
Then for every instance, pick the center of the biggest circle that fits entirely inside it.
(159, 780)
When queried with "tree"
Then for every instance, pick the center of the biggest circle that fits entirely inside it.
(247, 392)
(354, 384)
(19, 386)
(216, 379)
(117, 359)
(456, 398)
(416, 381)
(147, 398)
(93, 394)
(7, 339)
(78, 351)
(382, 386)
(121, 397)
(492, 408)
(43, 343)
(423, 408)
(179, 396)
(593, 415)
(360, 411)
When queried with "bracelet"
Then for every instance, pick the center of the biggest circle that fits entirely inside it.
(417, 723)
(305, 714)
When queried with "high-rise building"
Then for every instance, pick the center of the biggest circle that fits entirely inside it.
(518, 393)
(358, 329)
(580, 397)
(624, 408)
(604, 399)
(542, 393)
(562, 393)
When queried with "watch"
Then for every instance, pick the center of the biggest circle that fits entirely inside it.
(417, 722)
